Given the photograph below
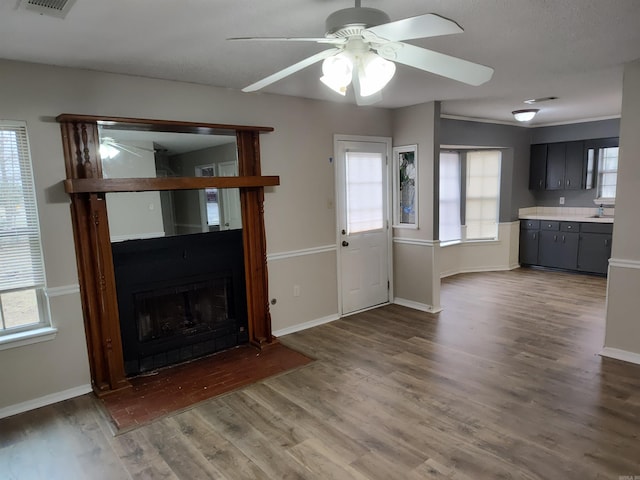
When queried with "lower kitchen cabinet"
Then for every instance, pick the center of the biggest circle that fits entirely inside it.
(595, 248)
(529, 238)
(580, 246)
(558, 249)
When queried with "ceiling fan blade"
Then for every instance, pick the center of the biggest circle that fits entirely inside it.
(291, 69)
(440, 64)
(333, 41)
(422, 26)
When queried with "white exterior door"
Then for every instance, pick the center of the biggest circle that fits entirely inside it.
(363, 229)
(230, 199)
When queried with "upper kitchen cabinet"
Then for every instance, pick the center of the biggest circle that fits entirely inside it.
(565, 166)
(538, 167)
(558, 166)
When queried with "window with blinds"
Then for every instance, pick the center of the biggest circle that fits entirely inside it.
(450, 227)
(21, 263)
(469, 195)
(483, 194)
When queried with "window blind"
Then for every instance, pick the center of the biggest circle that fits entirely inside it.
(21, 263)
(450, 228)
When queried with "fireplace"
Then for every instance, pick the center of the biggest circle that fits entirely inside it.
(179, 298)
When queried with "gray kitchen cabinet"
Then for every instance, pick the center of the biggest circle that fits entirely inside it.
(595, 248)
(529, 238)
(565, 166)
(538, 167)
(557, 248)
(580, 246)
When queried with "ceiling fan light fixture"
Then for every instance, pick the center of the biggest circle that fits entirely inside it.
(337, 72)
(525, 115)
(374, 73)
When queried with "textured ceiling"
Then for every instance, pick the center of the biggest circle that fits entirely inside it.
(572, 49)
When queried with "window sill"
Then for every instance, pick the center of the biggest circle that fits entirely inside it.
(28, 337)
(470, 242)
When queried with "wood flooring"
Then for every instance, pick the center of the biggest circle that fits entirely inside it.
(505, 383)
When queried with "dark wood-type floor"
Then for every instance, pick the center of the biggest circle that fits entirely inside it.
(505, 383)
(174, 389)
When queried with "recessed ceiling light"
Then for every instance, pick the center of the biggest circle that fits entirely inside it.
(531, 101)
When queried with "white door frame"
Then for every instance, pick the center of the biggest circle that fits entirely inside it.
(363, 138)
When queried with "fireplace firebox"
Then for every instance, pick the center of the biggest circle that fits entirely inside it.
(180, 298)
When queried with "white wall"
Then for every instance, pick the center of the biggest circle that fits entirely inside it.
(623, 310)
(299, 214)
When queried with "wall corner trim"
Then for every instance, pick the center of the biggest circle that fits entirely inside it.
(303, 326)
(617, 354)
(423, 307)
(44, 401)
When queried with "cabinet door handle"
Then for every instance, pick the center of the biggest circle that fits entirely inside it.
(534, 236)
(555, 238)
(562, 238)
(559, 182)
(568, 182)
(606, 242)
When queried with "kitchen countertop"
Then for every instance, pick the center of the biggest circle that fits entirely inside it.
(566, 218)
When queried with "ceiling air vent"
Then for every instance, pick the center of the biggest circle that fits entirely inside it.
(55, 8)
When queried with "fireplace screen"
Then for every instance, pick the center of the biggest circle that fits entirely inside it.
(184, 310)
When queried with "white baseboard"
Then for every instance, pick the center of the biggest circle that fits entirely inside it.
(423, 307)
(623, 355)
(480, 269)
(44, 401)
(303, 326)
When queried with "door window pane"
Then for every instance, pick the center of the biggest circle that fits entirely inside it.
(365, 209)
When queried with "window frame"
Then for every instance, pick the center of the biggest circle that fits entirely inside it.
(597, 146)
(42, 327)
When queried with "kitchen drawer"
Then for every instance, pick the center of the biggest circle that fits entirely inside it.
(549, 225)
(530, 224)
(569, 226)
(596, 227)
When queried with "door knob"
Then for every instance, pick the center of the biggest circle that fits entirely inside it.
(345, 243)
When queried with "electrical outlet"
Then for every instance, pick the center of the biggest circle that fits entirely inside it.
(296, 290)
(561, 200)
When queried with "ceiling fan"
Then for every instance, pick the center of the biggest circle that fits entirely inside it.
(366, 43)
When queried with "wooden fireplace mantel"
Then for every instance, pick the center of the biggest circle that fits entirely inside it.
(87, 188)
(107, 185)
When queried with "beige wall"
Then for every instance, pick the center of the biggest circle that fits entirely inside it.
(623, 317)
(489, 256)
(416, 274)
(299, 213)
